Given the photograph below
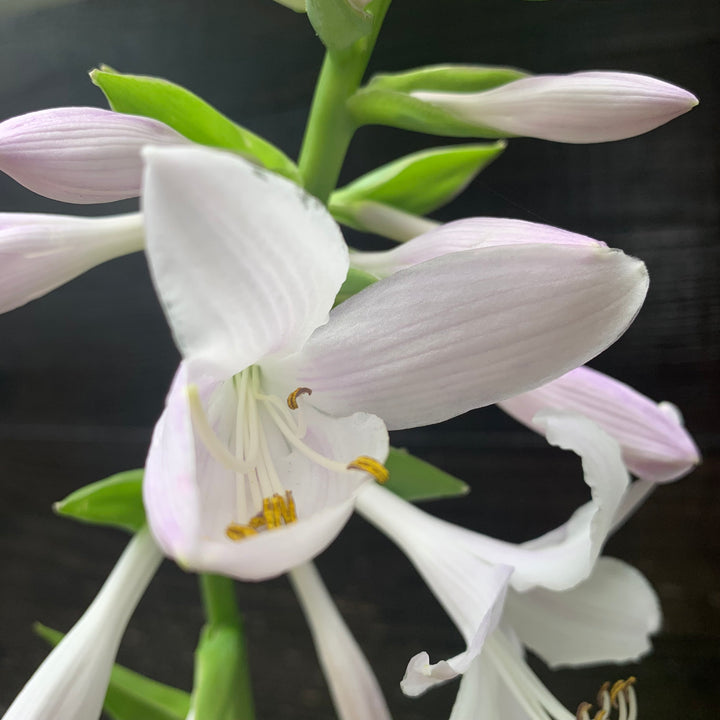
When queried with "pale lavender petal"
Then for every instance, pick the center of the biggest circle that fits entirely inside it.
(80, 154)
(583, 107)
(353, 685)
(469, 329)
(245, 262)
(72, 681)
(38, 253)
(654, 443)
(607, 618)
(466, 234)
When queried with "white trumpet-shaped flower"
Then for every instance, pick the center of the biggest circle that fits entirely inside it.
(272, 423)
(470, 573)
(72, 681)
(582, 107)
(38, 253)
(354, 688)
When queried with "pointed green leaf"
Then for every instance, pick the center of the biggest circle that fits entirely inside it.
(131, 696)
(189, 115)
(338, 23)
(421, 182)
(446, 78)
(115, 501)
(387, 99)
(414, 479)
(355, 281)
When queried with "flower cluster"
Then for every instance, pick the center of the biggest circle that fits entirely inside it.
(276, 424)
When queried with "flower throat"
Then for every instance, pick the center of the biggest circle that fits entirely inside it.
(269, 505)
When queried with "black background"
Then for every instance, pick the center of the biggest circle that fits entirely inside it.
(83, 372)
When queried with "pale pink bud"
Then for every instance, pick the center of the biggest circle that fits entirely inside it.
(583, 107)
(80, 154)
(655, 445)
(39, 252)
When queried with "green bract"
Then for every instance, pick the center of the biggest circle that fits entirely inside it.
(418, 183)
(414, 479)
(387, 99)
(131, 696)
(191, 116)
(338, 23)
(115, 501)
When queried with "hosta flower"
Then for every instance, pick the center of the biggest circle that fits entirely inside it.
(71, 682)
(583, 107)
(470, 573)
(249, 473)
(654, 443)
(80, 154)
(38, 253)
(354, 688)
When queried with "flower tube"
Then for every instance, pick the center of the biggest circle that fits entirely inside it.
(41, 252)
(80, 154)
(582, 107)
(71, 682)
(273, 421)
(354, 688)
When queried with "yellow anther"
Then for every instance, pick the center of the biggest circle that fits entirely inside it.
(583, 710)
(257, 521)
(601, 692)
(620, 686)
(239, 532)
(284, 507)
(272, 519)
(599, 715)
(370, 466)
(293, 396)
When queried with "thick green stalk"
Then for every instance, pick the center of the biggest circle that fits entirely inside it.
(219, 600)
(330, 126)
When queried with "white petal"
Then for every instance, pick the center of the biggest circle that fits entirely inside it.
(245, 263)
(80, 154)
(466, 234)
(72, 681)
(583, 107)
(655, 445)
(471, 590)
(354, 688)
(565, 556)
(38, 253)
(607, 618)
(469, 329)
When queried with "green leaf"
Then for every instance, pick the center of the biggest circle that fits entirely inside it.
(446, 78)
(189, 115)
(414, 479)
(386, 99)
(115, 501)
(221, 690)
(421, 182)
(131, 696)
(355, 281)
(338, 23)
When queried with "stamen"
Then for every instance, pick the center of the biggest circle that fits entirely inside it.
(293, 396)
(370, 466)
(276, 511)
(583, 711)
(239, 532)
(621, 696)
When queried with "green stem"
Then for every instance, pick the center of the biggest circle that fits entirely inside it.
(218, 595)
(330, 126)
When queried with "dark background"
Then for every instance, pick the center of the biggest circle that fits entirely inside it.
(84, 371)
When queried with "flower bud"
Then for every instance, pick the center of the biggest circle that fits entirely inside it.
(583, 107)
(80, 154)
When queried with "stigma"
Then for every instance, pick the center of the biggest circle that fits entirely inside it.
(261, 502)
(620, 696)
